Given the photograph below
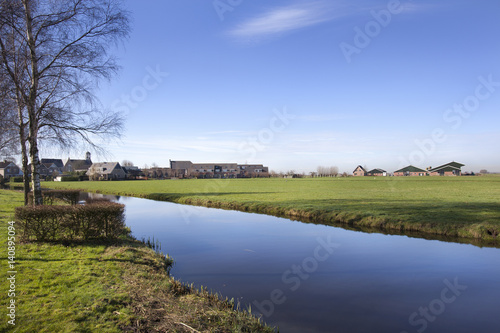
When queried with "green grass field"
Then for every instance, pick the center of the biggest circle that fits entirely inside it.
(103, 287)
(452, 206)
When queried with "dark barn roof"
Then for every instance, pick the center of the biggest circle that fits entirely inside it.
(410, 168)
(448, 167)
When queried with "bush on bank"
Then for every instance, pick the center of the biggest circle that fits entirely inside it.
(49, 197)
(77, 222)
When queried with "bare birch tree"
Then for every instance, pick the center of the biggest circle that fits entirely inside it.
(13, 127)
(8, 125)
(54, 54)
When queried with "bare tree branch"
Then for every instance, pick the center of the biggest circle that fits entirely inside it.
(53, 54)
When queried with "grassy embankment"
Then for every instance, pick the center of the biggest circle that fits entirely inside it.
(467, 207)
(104, 287)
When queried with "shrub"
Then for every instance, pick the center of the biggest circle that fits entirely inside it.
(77, 222)
(40, 222)
(18, 179)
(70, 196)
(70, 178)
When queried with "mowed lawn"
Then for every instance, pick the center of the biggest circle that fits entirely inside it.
(441, 205)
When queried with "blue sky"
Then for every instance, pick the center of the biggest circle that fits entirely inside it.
(298, 84)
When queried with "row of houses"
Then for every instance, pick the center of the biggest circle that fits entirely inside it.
(49, 167)
(448, 169)
(187, 169)
(178, 169)
(56, 169)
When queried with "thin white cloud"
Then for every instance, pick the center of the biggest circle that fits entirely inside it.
(227, 132)
(412, 7)
(326, 117)
(279, 20)
(289, 18)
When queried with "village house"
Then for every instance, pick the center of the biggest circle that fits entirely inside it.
(78, 165)
(410, 170)
(106, 171)
(49, 170)
(208, 170)
(180, 169)
(359, 171)
(253, 170)
(132, 171)
(9, 169)
(53, 164)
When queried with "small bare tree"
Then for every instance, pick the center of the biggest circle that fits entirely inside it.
(127, 163)
(333, 171)
(54, 53)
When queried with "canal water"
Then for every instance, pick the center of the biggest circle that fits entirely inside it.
(314, 278)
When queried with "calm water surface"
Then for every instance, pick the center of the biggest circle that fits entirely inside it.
(313, 278)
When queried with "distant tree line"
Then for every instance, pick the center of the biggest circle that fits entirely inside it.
(323, 171)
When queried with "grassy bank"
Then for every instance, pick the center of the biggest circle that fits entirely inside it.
(105, 287)
(467, 207)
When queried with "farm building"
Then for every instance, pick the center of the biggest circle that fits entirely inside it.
(410, 170)
(377, 172)
(449, 169)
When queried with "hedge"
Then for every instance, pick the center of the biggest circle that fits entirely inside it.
(70, 196)
(70, 178)
(77, 222)
(16, 179)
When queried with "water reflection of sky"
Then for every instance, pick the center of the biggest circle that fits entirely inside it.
(370, 283)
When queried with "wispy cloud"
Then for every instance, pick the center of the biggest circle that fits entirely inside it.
(288, 18)
(227, 132)
(326, 117)
(279, 20)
